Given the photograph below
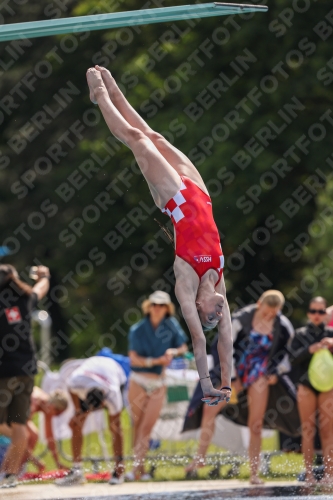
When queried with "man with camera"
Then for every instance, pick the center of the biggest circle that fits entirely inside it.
(18, 364)
(97, 383)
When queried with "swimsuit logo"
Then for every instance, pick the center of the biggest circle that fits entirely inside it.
(13, 315)
(203, 258)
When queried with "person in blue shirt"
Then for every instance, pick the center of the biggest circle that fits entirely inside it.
(153, 343)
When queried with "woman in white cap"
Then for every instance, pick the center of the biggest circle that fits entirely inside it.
(153, 343)
(180, 192)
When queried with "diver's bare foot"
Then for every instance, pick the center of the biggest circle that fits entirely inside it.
(256, 480)
(94, 80)
(92, 97)
(108, 79)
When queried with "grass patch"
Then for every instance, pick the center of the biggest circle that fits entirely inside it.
(169, 461)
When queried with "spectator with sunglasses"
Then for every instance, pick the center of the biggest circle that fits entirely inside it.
(308, 340)
(97, 383)
(153, 343)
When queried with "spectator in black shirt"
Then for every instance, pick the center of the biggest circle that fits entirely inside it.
(308, 340)
(17, 361)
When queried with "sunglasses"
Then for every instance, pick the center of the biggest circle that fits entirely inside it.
(317, 311)
(158, 305)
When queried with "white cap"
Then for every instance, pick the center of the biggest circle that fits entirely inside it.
(160, 297)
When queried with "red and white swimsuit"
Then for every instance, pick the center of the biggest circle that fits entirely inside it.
(197, 237)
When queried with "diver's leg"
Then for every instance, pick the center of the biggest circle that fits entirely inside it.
(178, 160)
(163, 180)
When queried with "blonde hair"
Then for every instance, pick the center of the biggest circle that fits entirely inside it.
(145, 306)
(59, 400)
(272, 298)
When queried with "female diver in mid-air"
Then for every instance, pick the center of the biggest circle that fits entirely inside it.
(179, 191)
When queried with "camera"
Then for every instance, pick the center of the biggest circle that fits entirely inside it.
(33, 272)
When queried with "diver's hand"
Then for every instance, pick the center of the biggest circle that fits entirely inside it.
(213, 396)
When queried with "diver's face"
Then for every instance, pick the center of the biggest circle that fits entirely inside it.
(210, 309)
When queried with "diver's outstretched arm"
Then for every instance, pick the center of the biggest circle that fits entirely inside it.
(190, 314)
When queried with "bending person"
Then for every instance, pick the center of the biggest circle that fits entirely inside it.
(179, 191)
(153, 343)
(97, 383)
(51, 405)
(308, 340)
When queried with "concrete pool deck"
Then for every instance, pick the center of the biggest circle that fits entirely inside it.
(155, 490)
